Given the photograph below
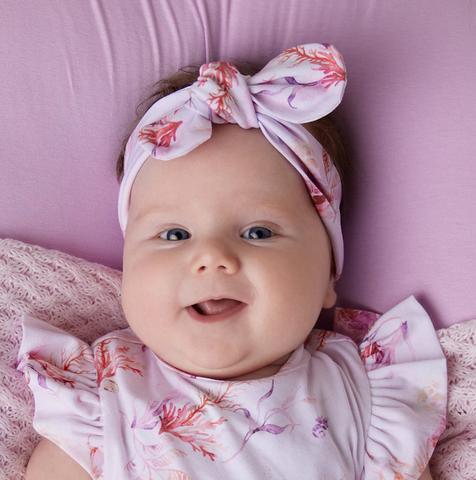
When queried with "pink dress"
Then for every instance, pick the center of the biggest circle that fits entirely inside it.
(336, 410)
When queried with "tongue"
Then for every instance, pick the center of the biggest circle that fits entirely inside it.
(212, 307)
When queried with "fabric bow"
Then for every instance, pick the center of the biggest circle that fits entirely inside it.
(300, 85)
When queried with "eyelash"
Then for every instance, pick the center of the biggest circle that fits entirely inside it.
(268, 227)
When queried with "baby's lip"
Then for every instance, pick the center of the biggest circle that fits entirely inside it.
(221, 297)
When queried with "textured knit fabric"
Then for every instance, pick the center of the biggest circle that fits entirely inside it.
(83, 298)
(455, 455)
(335, 409)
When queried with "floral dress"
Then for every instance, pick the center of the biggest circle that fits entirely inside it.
(336, 410)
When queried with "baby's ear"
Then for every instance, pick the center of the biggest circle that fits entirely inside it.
(331, 295)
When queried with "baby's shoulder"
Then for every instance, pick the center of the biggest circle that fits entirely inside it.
(125, 335)
(50, 461)
(335, 350)
(124, 339)
(325, 341)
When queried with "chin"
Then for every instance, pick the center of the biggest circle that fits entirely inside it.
(216, 365)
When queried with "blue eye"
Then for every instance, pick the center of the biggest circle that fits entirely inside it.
(177, 234)
(258, 233)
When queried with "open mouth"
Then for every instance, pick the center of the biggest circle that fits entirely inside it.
(213, 307)
(214, 310)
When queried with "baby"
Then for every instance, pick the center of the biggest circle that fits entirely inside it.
(230, 211)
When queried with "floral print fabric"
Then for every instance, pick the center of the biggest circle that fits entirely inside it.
(335, 410)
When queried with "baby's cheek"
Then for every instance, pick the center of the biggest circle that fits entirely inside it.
(125, 292)
(135, 293)
(301, 287)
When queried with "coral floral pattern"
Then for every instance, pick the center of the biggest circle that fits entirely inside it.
(107, 361)
(121, 412)
(161, 133)
(223, 74)
(325, 61)
(354, 323)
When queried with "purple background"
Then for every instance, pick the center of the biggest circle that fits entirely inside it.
(72, 74)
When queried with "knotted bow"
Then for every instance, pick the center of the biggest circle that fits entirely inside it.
(300, 85)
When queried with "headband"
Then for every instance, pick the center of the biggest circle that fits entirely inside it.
(300, 85)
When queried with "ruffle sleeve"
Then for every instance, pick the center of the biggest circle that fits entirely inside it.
(406, 369)
(59, 369)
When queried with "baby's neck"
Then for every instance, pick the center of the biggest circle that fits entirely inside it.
(263, 372)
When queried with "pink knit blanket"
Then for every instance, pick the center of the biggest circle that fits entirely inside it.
(83, 298)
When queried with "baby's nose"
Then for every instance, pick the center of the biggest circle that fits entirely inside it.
(214, 257)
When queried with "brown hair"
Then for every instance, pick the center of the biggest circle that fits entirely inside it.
(325, 129)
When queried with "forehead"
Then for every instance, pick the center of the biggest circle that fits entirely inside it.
(234, 165)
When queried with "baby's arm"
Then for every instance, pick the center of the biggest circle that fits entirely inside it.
(426, 475)
(49, 461)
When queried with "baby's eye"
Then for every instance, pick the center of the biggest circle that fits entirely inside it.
(257, 233)
(175, 234)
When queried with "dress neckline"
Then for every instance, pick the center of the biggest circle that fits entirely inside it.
(299, 358)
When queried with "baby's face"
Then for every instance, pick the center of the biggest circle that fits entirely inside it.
(191, 236)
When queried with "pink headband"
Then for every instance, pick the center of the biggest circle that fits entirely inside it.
(300, 85)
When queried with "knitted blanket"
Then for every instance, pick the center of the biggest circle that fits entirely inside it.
(83, 298)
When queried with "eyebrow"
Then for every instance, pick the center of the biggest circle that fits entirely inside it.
(156, 209)
(149, 212)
